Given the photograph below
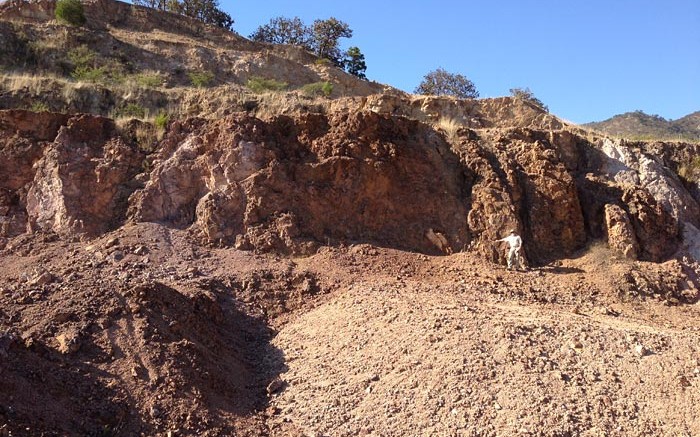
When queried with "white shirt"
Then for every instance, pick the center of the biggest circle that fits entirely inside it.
(513, 240)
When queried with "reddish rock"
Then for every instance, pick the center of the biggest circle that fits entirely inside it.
(620, 234)
(288, 184)
(83, 180)
(70, 175)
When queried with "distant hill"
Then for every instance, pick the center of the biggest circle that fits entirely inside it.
(638, 125)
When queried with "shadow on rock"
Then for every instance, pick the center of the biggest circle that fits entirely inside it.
(209, 348)
(43, 393)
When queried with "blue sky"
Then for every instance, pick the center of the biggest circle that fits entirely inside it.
(587, 60)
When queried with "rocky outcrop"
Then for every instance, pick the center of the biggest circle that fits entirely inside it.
(23, 138)
(521, 183)
(292, 184)
(620, 234)
(502, 112)
(68, 175)
(288, 185)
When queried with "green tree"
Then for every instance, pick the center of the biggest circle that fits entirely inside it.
(154, 4)
(70, 11)
(440, 82)
(527, 95)
(283, 30)
(325, 36)
(206, 11)
(354, 62)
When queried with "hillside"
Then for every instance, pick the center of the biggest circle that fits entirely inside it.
(640, 126)
(191, 257)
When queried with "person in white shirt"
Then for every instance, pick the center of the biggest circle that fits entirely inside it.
(514, 244)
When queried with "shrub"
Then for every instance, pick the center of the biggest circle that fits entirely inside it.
(130, 110)
(323, 61)
(39, 107)
(260, 85)
(451, 128)
(318, 89)
(161, 120)
(201, 79)
(70, 12)
(89, 74)
(149, 80)
(690, 171)
(82, 56)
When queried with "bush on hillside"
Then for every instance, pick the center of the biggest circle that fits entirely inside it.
(131, 110)
(443, 83)
(318, 89)
(70, 12)
(201, 79)
(260, 85)
(89, 74)
(39, 107)
(526, 95)
(149, 80)
(82, 56)
(161, 120)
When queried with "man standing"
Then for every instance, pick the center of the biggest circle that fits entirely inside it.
(514, 244)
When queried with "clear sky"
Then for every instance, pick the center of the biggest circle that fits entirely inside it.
(586, 59)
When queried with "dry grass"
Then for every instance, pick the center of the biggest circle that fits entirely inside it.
(147, 134)
(32, 83)
(690, 171)
(450, 127)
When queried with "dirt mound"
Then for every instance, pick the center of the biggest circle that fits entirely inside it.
(143, 331)
(450, 347)
(136, 334)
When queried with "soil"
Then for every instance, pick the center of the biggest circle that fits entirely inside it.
(268, 265)
(142, 332)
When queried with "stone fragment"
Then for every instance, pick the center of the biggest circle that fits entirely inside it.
(68, 342)
(275, 386)
(620, 233)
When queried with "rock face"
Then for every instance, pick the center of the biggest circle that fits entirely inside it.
(521, 182)
(68, 175)
(621, 236)
(291, 184)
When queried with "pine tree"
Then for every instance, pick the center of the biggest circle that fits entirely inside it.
(354, 62)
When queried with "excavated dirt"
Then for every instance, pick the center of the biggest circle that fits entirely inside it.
(451, 347)
(336, 274)
(142, 332)
(285, 265)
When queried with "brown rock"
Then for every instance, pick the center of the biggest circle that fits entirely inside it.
(80, 183)
(620, 234)
(41, 277)
(275, 386)
(141, 250)
(68, 342)
(357, 176)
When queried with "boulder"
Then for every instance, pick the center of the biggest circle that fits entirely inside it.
(620, 233)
